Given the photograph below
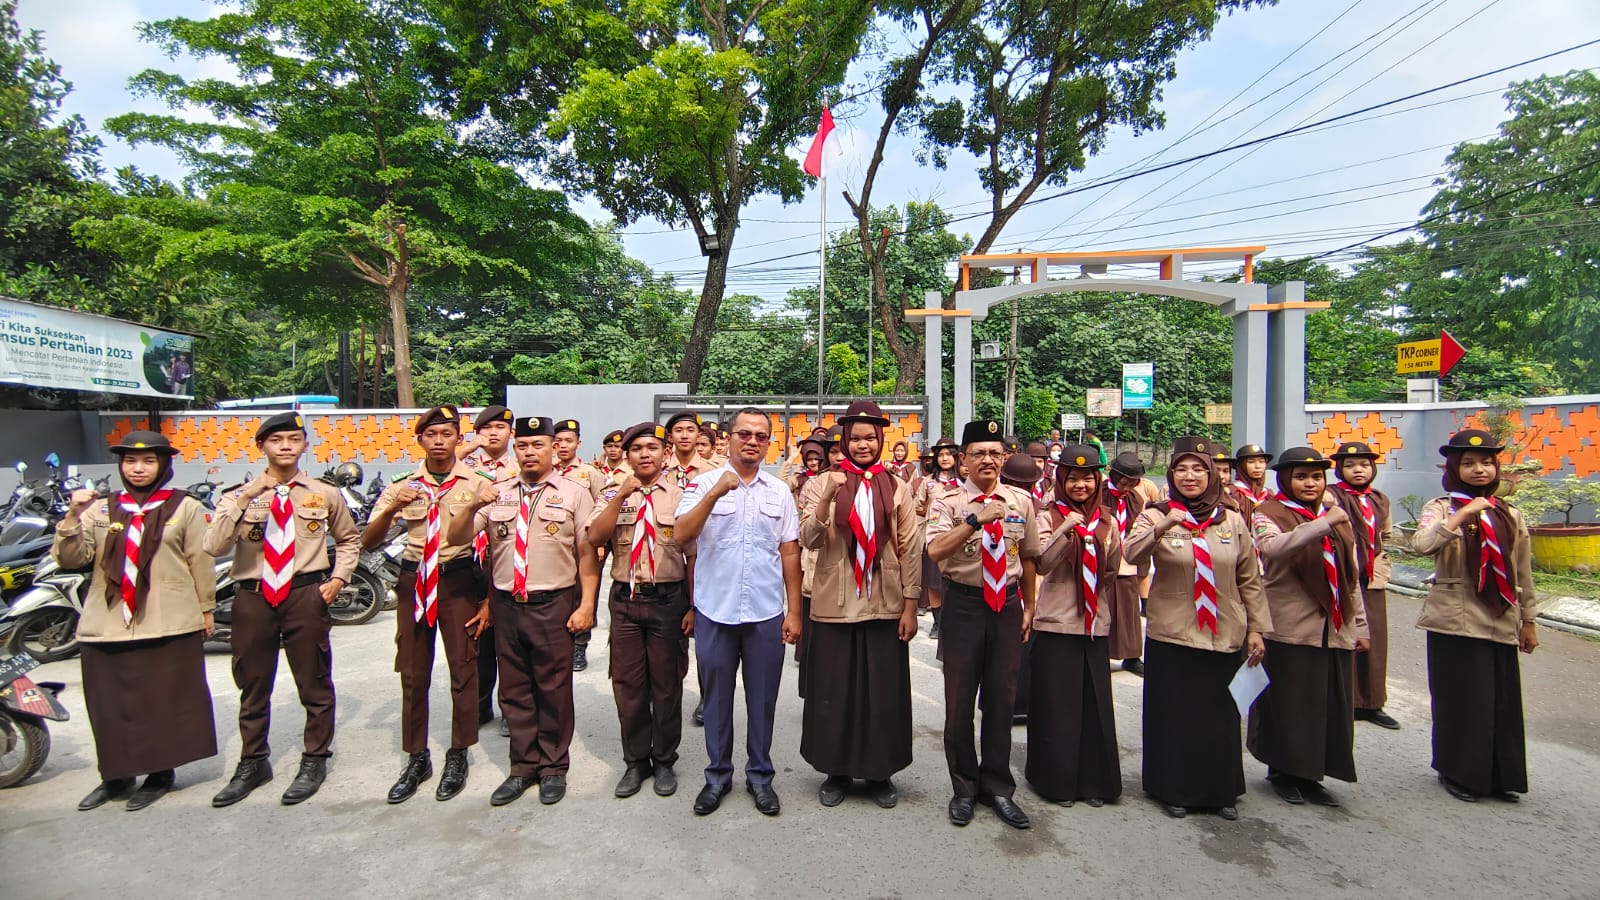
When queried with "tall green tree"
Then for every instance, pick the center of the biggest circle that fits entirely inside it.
(328, 162)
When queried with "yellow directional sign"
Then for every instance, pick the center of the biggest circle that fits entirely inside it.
(1417, 356)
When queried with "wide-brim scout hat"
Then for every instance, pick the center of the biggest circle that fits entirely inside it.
(1020, 469)
(835, 435)
(492, 414)
(820, 445)
(943, 443)
(1251, 450)
(1127, 464)
(145, 440)
(643, 429)
(1221, 456)
(1081, 456)
(1297, 457)
(1353, 450)
(286, 421)
(865, 411)
(445, 414)
(1471, 439)
(1193, 445)
(983, 431)
(535, 426)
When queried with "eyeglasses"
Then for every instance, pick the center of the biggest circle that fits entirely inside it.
(986, 454)
(756, 437)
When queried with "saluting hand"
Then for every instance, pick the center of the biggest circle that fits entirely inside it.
(993, 511)
(263, 484)
(1173, 519)
(1477, 505)
(1336, 516)
(406, 495)
(487, 494)
(627, 487)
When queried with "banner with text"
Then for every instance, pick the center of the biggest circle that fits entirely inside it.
(1138, 385)
(45, 346)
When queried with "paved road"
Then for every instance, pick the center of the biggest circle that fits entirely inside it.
(1398, 833)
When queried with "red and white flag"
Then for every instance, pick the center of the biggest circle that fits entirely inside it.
(813, 163)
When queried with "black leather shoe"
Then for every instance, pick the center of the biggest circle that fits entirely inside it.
(1135, 665)
(883, 793)
(1457, 791)
(833, 790)
(1316, 792)
(766, 798)
(1507, 796)
(666, 780)
(632, 780)
(505, 727)
(1009, 812)
(1289, 789)
(699, 716)
(1378, 717)
(580, 658)
(1094, 802)
(313, 771)
(710, 798)
(419, 768)
(155, 786)
(1231, 813)
(106, 791)
(1175, 811)
(961, 811)
(510, 789)
(454, 777)
(247, 776)
(552, 788)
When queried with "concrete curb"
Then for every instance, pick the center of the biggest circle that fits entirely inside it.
(1577, 615)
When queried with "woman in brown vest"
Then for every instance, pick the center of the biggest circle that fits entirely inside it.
(1072, 726)
(1303, 725)
(1478, 614)
(144, 625)
(1205, 605)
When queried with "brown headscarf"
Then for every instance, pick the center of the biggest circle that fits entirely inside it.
(1102, 531)
(1472, 537)
(1205, 505)
(1306, 563)
(1348, 496)
(155, 523)
(882, 491)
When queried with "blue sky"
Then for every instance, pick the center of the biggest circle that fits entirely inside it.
(1282, 195)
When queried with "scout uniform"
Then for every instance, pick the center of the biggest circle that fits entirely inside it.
(535, 530)
(1245, 493)
(613, 474)
(502, 466)
(677, 471)
(588, 477)
(1369, 508)
(439, 590)
(649, 600)
(497, 468)
(280, 560)
(983, 646)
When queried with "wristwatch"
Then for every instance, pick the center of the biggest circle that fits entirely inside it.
(972, 521)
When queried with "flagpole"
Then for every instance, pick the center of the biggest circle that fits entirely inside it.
(822, 293)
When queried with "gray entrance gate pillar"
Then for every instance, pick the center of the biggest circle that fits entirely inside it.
(1286, 385)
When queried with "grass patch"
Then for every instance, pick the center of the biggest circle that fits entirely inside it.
(1549, 584)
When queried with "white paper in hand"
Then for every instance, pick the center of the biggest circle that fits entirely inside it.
(1247, 685)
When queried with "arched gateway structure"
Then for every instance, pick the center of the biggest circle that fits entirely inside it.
(1269, 328)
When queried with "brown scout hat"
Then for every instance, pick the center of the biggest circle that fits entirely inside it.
(1354, 450)
(1249, 450)
(1295, 457)
(1079, 456)
(145, 440)
(1471, 439)
(865, 411)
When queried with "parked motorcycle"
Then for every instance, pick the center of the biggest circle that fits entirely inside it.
(36, 506)
(43, 621)
(25, 707)
(18, 563)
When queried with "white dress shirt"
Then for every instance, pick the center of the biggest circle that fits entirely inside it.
(738, 575)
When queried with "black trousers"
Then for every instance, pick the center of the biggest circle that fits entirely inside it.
(982, 661)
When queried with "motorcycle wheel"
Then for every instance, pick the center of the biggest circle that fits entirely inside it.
(47, 635)
(24, 746)
(360, 600)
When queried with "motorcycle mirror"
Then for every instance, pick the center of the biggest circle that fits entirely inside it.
(53, 461)
(22, 466)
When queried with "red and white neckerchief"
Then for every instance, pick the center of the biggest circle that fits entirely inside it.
(863, 524)
(1261, 496)
(1330, 563)
(1089, 566)
(993, 539)
(1122, 507)
(277, 548)
(1205, 578)
(1369, 518)
(950, 482)
(428, 567)
(1039, 488)
(130, 544)
(644, 536)
(519, 560)
(1491, 559)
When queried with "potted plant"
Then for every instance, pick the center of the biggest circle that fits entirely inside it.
(1567, 544)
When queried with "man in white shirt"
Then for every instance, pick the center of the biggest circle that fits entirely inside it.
(747, 603)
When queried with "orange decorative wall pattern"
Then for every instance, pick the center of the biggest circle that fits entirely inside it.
(1555, 439)
(1370, 427)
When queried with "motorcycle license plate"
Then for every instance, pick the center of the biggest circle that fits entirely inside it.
(14, 667)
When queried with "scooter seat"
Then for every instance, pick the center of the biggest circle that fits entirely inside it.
(11, 553)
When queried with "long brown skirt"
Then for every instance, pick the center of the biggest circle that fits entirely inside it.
(1072, 726)
(149, 704)
(1478, 740)
(1303, 724)
(1191, 726)
(857, 718)
(1372, 666)
(1127, 629)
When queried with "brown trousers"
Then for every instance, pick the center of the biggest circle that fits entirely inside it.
(982, 662)
(300, 623)
(647, 670)
(535, 651)
(459, 596)
(1372, 667)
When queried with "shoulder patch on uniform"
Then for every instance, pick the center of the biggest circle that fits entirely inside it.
(483, 474)
(403, 476)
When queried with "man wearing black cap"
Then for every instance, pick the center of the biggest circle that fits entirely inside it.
(613, 461)
(544, 585)
(276, 526)
(488, 451)
(985, 537)
(441, 597)
(684, 463)
(1356, 465)
(650, 612)
(569, 466)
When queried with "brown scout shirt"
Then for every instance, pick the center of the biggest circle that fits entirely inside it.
(1170, 615)
(497, 468)
(1297, 618)
(671, 559)
(587, 477)
(949, 510)
(1059, 607)
(683, 476)
(319, 511)
(558, 522)
(1452, 605)
(415, 515)
(897, 570)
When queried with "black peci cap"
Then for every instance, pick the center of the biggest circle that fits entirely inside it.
(981, 432)
(285, 421)
(445, 414)
(535, 426)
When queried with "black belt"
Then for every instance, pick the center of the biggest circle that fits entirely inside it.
(253, 585)
(454, 565)
(659, 591)
(534, 598)
(967, 590)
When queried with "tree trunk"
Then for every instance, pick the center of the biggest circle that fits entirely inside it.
(377, 368)
(705, 315)
(395, 293)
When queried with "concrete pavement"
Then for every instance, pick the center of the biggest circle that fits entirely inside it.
(1398, 833)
